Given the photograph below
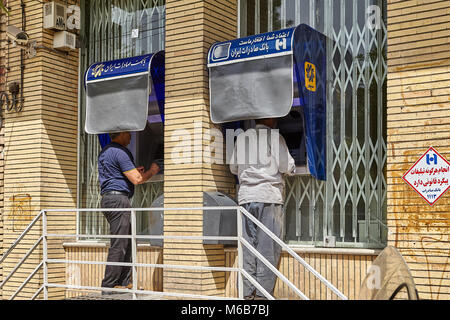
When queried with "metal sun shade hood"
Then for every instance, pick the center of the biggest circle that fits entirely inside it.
(254, 78)
(122, 95)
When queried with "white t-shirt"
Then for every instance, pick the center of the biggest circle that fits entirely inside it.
(259, 168)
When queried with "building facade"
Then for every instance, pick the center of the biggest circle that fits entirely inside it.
(387, 103)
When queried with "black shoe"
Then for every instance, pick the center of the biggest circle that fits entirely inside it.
(250, 296)
(260, 298)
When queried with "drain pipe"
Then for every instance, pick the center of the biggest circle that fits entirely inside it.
(22, 62)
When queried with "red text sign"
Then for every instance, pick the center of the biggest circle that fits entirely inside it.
(429, 176)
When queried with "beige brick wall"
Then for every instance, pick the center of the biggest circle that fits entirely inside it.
(191, 27)
(418, 117)
(40, 145)
(2, 140)
(40, 142)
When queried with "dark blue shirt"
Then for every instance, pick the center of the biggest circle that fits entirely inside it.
(113, 161)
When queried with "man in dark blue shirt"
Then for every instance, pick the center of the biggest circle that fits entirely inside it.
(118, 175)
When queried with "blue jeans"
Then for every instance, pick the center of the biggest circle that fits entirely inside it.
(271, 215)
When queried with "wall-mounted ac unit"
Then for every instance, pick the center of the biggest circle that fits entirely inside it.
(64, 40)
(55, 16)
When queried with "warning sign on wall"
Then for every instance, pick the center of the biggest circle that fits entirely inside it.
(429, 176)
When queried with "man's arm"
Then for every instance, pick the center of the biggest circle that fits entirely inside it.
(137, 176)
(233, 161)
(287, 163)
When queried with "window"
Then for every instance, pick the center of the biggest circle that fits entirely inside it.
(109, 33)
(351, 204)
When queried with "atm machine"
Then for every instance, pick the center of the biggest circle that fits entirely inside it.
(280, 74)
(128, 95)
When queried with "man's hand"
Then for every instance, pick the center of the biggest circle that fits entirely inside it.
(154, 169)
(141, 169)
(139, 175)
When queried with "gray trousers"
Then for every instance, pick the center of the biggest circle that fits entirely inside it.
(120, 249)
(271, 215)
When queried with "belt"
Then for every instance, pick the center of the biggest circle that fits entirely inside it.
(117, 192)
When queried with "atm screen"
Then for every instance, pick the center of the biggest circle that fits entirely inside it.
(147, 146)
(150, 146)
(292, 129)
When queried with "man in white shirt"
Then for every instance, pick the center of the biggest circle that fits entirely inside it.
(260, 160)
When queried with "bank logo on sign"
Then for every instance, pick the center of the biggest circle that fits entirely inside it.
(430, 176)
(221, 52)
(310, 77)
(432, 158)
(281, 44)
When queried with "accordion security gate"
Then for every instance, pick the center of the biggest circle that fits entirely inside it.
(351, 204)
(109, 32)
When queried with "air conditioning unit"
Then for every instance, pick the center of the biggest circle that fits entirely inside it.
(64, 40)
(55, 16)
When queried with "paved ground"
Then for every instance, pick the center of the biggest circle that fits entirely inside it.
(116, 296)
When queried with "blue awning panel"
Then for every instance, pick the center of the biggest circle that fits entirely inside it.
(104, 139)
(122, 94)
(157, 72)
(311, 71)
(254, 78)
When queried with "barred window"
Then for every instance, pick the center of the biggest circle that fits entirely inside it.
(350, 206)
(109, 33)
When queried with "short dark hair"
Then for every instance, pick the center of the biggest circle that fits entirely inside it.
(114, 135)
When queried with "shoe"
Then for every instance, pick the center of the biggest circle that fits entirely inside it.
(250, 296)
(260, 298)
(128, 286)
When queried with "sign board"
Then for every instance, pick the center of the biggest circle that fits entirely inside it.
(254, 47)
(429, 176)
(119, 68)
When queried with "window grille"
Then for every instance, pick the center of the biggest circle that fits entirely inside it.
(108, 33)
(351, 204)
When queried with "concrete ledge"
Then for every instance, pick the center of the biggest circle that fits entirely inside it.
(346, 251)
(341, 251)
(296, 248)
(86, 244)
(95, 244)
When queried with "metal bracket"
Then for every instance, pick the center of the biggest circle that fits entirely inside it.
(329, 242)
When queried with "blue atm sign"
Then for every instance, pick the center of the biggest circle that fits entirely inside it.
(254, 47)
(119, 68)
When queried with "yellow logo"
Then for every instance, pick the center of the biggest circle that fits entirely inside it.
(97, 71)
(310, 76)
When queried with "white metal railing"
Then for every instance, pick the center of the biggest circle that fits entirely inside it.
(240, 213)
(25, 257)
